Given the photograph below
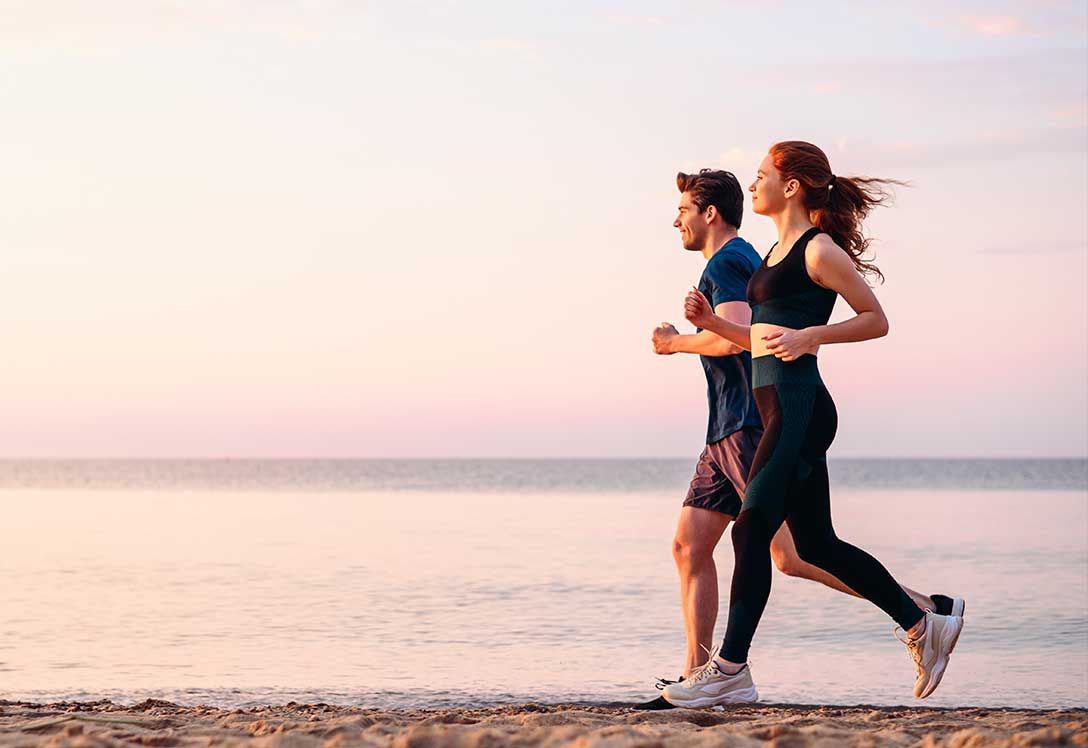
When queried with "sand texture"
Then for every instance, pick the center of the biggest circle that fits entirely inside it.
(159, 723)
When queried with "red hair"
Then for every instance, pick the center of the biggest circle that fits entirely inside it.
(836, 205)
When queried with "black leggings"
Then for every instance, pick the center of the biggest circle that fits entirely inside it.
(788, 482)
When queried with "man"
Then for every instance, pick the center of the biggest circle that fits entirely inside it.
(709, 217)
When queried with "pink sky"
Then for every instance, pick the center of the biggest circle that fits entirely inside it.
(315, 231)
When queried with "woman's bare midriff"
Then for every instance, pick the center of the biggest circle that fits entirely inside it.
(759, 345)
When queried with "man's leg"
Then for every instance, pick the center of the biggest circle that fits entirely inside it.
(697, 534)
(784, 553)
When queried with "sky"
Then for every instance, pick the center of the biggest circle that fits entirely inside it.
(309, 228)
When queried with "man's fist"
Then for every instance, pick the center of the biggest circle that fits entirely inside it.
(663, 336)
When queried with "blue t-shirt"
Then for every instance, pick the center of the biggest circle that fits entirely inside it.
(729, 378)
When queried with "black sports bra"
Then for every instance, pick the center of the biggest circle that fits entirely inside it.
(785, 294)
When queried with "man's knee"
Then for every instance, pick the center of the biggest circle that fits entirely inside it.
(689, 554)
(697, 534)
(788, 562)
(791, 554)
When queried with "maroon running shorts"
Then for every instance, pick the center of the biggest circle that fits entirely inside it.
(722, 473)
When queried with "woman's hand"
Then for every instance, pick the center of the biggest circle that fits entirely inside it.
(697, 309)
(790, 345)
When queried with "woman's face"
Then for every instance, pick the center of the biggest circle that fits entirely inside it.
(769, 192)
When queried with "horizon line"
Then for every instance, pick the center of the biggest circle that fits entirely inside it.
(229, 458)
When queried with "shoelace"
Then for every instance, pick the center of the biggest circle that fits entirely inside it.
(665, 683)
(704, 671)
(914, 647)
(699, 673)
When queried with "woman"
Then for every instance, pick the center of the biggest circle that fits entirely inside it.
(817, 257)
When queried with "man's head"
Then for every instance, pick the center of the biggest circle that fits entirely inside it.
(707, 199)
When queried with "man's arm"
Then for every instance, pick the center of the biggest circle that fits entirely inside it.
(667, 340)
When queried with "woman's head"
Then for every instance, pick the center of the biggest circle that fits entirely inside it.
(791, 171)
(798, 173)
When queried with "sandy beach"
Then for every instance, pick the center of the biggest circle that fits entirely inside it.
(158, 723)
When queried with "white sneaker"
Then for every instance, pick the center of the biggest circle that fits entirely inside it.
(947, 605)
(710, 686)
(931, 650)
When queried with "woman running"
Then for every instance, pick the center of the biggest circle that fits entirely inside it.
(817, 257)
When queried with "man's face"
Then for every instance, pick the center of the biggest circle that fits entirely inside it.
(691, 222)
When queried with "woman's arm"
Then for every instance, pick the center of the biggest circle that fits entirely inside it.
(697, 311)
(830, 266)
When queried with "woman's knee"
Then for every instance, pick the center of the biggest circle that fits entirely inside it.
(814, 549)
(751, 533)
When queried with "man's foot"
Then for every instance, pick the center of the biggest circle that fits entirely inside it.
(948, 606)
(655, 705)
(930, 651)
(659, 702)
(710, 686)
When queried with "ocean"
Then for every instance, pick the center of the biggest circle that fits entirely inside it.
(428, 583)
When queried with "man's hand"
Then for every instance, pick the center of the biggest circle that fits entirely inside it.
(663, 338)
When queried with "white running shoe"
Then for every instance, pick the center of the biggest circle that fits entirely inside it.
(710, 686)
(931, 650)
(947, 605)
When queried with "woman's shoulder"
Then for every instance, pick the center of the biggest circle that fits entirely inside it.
(823, 250)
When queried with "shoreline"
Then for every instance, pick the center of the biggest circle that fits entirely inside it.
(104, 724)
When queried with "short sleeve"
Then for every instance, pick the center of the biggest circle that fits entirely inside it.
(728, 278)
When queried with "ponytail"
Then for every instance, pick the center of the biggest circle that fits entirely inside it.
(837, 205)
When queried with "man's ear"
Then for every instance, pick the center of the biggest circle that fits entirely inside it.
(710, 213)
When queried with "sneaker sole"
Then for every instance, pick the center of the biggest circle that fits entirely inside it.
(948, 643)
(740, 696)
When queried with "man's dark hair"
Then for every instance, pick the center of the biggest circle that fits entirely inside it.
(715, 187)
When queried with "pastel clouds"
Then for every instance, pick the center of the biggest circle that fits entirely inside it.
(453, 238)
(638, 20)
(828, 87)
(113, 21)
(743, 161)
(995, 25)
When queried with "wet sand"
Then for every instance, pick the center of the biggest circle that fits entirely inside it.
(158, 723)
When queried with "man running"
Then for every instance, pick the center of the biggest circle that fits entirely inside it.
(709, 217)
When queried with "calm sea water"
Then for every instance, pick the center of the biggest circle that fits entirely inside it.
(432, 583)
